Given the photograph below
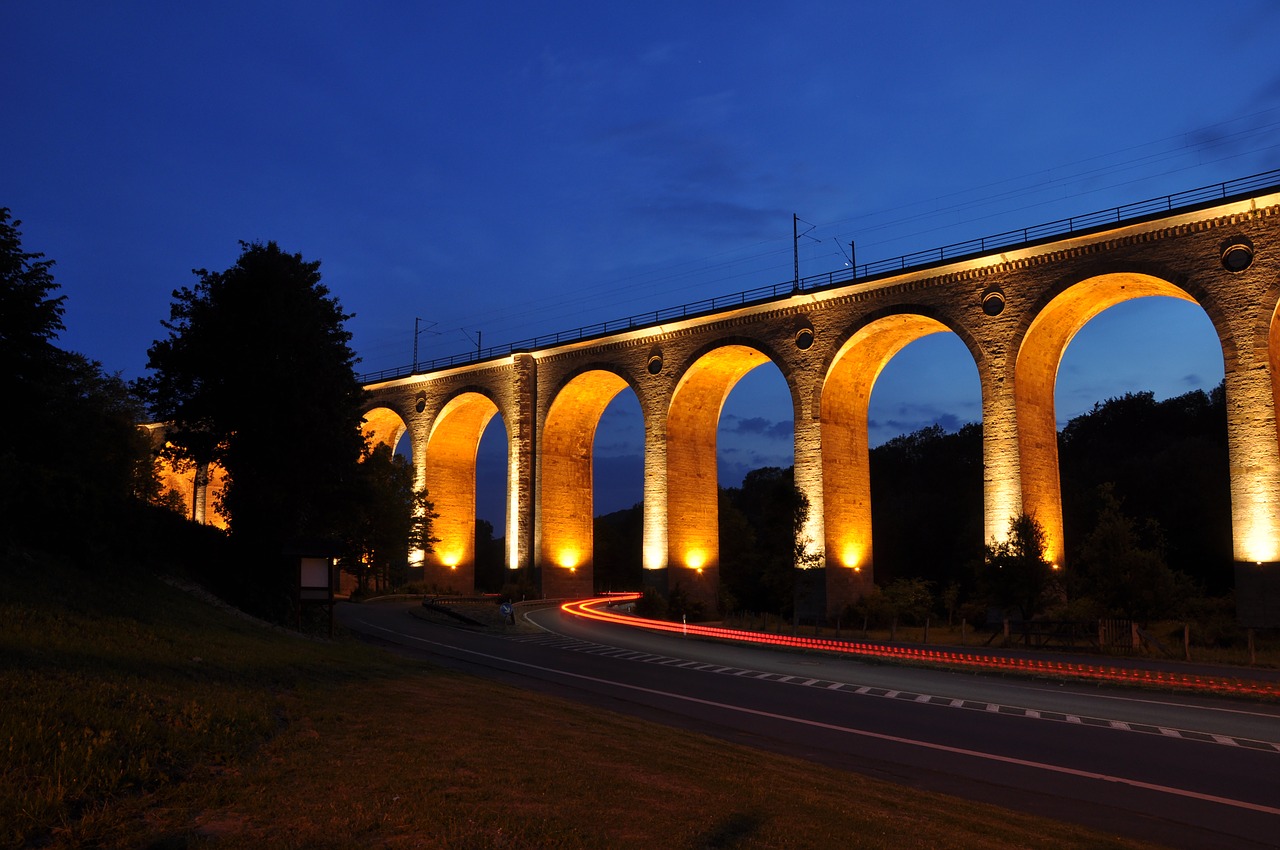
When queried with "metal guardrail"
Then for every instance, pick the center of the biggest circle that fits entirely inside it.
(1127, 213)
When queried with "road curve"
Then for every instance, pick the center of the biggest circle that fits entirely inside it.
(1193, 772)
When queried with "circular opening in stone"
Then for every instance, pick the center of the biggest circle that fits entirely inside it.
(655, 364)
(804, 338)
(1237, 254)
(421, 403)
(993, 302)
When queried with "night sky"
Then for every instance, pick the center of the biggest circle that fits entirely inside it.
(506, 170)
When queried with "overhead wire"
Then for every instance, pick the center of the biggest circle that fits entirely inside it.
(763, 257)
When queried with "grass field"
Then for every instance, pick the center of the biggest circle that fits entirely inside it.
(136, 714)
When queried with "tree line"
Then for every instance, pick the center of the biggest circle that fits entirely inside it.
(1146, 511)
(256, 375)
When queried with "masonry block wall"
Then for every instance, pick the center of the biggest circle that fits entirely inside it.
(1015, 310)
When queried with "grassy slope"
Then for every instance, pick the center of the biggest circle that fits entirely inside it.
(137, 715)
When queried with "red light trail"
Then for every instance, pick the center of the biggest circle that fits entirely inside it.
(591, 609)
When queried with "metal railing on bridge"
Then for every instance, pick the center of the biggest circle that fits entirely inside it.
(1022, 237)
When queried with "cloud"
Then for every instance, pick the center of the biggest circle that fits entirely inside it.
(1247, 135)
(880, 431)
(714, 218)
(688, 169)
(760, 426)
(621, 447)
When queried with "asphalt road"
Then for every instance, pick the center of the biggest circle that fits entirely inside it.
(1189, 772)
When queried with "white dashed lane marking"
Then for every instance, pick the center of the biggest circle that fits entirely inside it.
(575, 645)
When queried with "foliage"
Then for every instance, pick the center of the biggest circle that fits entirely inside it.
(1167, 462)
(1121, 566)
(1214, 623)
(1015, 575)
(761, 540)
(926, 505)
(519, 586)
(910, 599)
(257, 375)
(91, 461)
(652, 604)
(872, 608)
(951, 600)
(681, 607)
(388, 520)
(30, 314)
(491, 568)
(619, 544)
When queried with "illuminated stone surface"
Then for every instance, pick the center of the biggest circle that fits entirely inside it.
(198, 489)
(830, 345)
(565, 530)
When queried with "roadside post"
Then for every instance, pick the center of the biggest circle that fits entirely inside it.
(315, 585)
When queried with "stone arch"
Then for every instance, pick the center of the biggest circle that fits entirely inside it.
(197, 489)
(693, 533)
(1269, 329)
(948, 322)
(386, 426)
(1040, 352)
(845, 398)
(383, 425)
(1255, 504)
(780, 359)
(566, 533)
(450, 478)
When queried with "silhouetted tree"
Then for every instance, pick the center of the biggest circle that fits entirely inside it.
(926, 505)
(1121, 567)
(257, 375)
(741, 575)
(910, 599)
(619, 549)
(72, 459)
(873, 609)
(491, 568)
(760, 525)
(388, 520)
(1167, 462)
(1015, 575)
(30, 317)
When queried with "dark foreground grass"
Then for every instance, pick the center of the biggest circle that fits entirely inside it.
(137, 715)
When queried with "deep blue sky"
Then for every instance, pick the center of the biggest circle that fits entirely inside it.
(511, 169)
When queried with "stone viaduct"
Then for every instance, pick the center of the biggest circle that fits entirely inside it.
(1015, 306)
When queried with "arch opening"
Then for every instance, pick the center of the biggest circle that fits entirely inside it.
(383, 562)
(926, 463)
(1036, 373)
(755, 453)
(382, 425)
(618, 487)
(566, 546)
(846, 470)
(493, 531)
(449, 475)
(693, 532)
(1157, 443)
